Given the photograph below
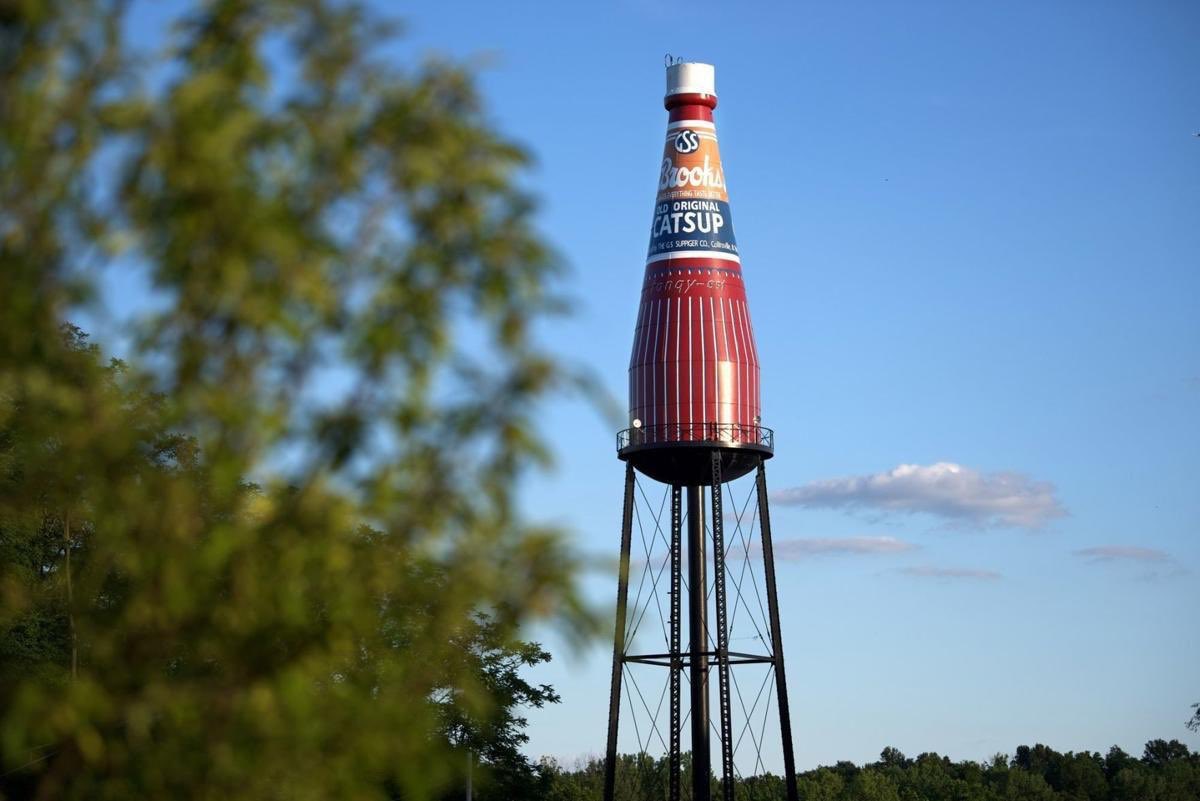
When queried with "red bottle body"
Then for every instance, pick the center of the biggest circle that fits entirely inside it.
(693, 372)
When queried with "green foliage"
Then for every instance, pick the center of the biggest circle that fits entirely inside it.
(1167, 772)
(276, 554)
(488, 727)
(639, 777)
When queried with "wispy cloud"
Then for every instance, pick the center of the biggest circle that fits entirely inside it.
(1129, 553)
(969, 573)
(944, 489)
(1160, 563)
(852, 546)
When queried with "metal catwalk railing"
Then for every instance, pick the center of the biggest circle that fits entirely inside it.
(706, 433)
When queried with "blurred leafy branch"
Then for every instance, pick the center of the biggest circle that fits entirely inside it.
(276, 553)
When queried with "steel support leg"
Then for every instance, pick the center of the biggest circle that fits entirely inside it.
(676, 657)
(726, 710)
(785, 717)
(698, 651)
(614, 690)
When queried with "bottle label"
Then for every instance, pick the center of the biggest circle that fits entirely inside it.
(691, 212)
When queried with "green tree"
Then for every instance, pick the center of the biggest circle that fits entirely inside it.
(873, 785)
(822, 784)
(891, 757)
(932, 777)
(491, 730)
(1082, 776)
(1161, 752)
(1025, 786)
(581, 784)
(225, 564)
(929, 777)
(1117, 760)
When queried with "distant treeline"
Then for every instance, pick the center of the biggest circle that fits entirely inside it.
(1166, 771)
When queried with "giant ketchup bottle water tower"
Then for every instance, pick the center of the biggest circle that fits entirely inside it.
(694, 426)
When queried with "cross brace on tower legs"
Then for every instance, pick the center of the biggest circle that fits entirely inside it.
(699, 658)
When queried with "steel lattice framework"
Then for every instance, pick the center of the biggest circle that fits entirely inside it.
(742, 599)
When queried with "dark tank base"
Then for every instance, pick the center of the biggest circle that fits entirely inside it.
(690, 463)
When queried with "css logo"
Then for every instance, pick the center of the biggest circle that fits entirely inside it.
(687, 142)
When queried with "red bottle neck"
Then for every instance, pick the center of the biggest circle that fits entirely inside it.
(690, 106)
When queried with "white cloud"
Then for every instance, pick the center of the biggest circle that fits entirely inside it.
(944, 489)
(1127, 553)
(951, 573)
(858, 546)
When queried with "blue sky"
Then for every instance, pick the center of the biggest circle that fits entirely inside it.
(971, 237)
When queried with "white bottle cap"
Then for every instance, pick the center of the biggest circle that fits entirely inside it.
(691, 78)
